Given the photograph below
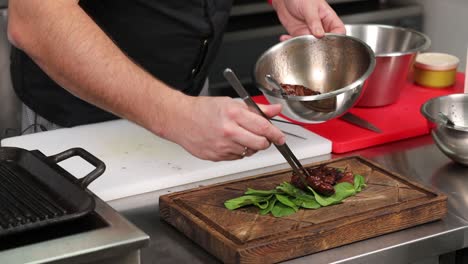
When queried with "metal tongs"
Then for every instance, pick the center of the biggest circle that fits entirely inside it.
(283, 149)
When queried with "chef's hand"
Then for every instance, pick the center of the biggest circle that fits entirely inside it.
(302, 17)
(221, 128)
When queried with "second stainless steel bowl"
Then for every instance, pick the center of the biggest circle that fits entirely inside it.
(452, 141)
(337, 66)
(395, 49)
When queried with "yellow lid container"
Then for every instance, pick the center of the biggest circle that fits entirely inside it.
(437, 70)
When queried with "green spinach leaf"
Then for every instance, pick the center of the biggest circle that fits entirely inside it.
(342, 191)
(262, 204)
(281, 210)
(245, 200)
(294, 191)
(270, 206)
(309, 204)
(285, 200)
(359, 182)
(260, 192)
(301, 198)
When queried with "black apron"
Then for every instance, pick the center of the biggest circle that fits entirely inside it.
(175, 41)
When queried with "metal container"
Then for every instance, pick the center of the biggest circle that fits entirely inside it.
(436, 70)
(452, 141)
(395, 49)
(337, 66)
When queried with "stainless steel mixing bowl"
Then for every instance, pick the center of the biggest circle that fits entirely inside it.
(395, 49)
(453, 142)
(337, 66)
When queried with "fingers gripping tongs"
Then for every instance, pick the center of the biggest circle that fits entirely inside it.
(283, 149)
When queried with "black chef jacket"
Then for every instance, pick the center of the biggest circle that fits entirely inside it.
(174, 40)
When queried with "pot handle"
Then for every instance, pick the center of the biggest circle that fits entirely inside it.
(86, 180)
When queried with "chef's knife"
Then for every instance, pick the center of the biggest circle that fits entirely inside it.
(283, 149)
(356, 120)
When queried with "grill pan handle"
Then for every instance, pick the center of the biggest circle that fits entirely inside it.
(86, 180)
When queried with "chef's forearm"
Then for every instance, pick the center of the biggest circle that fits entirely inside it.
(65, 42)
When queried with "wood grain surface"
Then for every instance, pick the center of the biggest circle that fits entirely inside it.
(390, 202)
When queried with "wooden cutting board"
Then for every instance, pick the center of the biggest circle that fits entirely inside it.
(389, 203)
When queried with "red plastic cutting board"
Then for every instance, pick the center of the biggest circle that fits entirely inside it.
(397, 121)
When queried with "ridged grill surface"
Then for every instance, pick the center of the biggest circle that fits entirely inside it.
(22, 201)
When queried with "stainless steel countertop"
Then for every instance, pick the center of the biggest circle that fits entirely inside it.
(417, 158)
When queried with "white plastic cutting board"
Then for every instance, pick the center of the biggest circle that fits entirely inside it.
(138, 162)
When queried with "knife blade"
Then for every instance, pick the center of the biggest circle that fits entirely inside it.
(356, 120)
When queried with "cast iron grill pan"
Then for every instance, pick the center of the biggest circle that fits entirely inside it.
(35, 191)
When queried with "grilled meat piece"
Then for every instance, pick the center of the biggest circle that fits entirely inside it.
(298, 90)
(348, 177)
(322, 179)
(319, 185)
